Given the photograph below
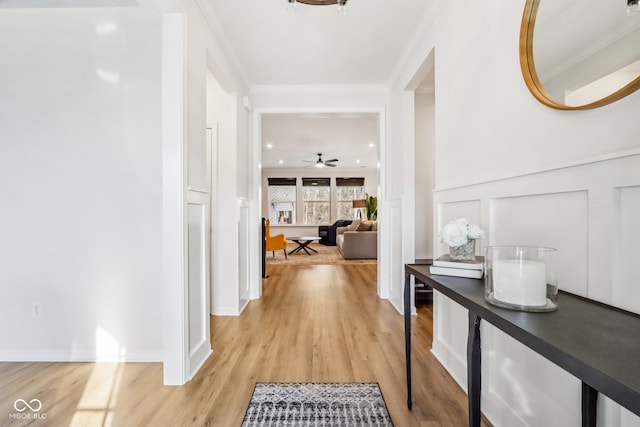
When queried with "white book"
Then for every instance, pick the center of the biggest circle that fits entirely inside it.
(456, 272)
(446, 261)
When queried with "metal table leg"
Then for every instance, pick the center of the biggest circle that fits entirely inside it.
(407, 333)
(474, 360)
(589, 405)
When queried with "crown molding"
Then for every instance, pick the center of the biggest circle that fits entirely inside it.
(421, 33)
(219, 36)
(318, 89)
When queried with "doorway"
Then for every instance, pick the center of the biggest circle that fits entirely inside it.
(281, 155)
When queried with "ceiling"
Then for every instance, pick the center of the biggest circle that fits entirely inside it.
(294, 140)
(313, 47)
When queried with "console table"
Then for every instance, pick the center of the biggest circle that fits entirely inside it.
(597, 343)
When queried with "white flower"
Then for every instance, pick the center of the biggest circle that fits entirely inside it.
(474, 232)
(459, 232)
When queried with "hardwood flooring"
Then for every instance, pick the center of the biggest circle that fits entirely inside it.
(319, 323)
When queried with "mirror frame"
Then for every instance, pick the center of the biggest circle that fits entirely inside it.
(527, 65)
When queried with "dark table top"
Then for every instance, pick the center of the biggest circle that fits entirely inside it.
(595, 342)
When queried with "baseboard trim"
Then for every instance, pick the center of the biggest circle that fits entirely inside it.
(200, 364)
(244, 305)
(225, 311)
(450, 361)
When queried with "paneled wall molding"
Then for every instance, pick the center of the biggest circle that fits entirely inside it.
(390, 248)
(197, 279)
(634, 152)
(195, 190)
(579, 209)
(588, 210)
(244, 251)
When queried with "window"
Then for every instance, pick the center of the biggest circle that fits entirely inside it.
(316, 200)
(348, 190)
(282, 200)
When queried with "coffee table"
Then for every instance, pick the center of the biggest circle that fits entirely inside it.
(303, 244)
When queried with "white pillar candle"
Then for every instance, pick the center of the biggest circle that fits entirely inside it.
(521, 282)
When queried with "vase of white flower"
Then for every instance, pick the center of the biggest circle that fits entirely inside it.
(464, 252)
(461, 238)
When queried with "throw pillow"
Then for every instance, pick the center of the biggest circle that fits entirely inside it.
(374, 226)
(354, 225)
(365, 226)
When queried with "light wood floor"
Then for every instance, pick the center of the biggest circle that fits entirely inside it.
(313, 324)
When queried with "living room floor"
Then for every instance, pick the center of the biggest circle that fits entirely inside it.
(322, 255)
(314, 323)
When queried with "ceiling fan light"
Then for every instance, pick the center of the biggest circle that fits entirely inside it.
(319, 165)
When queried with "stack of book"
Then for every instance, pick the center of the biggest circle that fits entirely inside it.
(445, 266)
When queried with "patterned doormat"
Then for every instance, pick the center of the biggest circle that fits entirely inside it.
(311, 404)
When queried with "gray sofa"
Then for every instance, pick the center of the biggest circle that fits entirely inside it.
(357, 244)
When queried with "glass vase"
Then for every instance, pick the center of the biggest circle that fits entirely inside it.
(465, 252)
(521, 278)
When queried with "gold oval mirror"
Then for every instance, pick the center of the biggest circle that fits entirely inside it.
(579, 54)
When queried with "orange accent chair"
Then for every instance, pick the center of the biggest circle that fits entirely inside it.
(275, 243)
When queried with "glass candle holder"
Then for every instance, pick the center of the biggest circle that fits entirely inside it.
(521, 278)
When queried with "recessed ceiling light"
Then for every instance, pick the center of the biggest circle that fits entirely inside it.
(358, 161)
(280, 161)
(371, 144)
(269, 145)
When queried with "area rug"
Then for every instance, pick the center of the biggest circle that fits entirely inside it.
(318, 405)
(324, 255)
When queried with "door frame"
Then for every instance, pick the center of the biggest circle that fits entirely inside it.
(384, 263)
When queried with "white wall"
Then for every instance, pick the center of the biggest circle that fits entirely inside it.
(80, 177)
(219, 101)
(221, 109)
(528, 175)
(513, 133)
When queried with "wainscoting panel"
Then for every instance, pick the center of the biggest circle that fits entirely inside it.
(520, 379)
(588, 211)
(199, 345)
(553, 220)
(449, 345)
(243, 250)
(197, 275)
(396, 266)
(626, 291)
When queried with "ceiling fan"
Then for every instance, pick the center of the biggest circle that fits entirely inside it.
(322, 163)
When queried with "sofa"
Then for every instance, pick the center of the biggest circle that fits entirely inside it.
(359, 240)
(327, 233)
